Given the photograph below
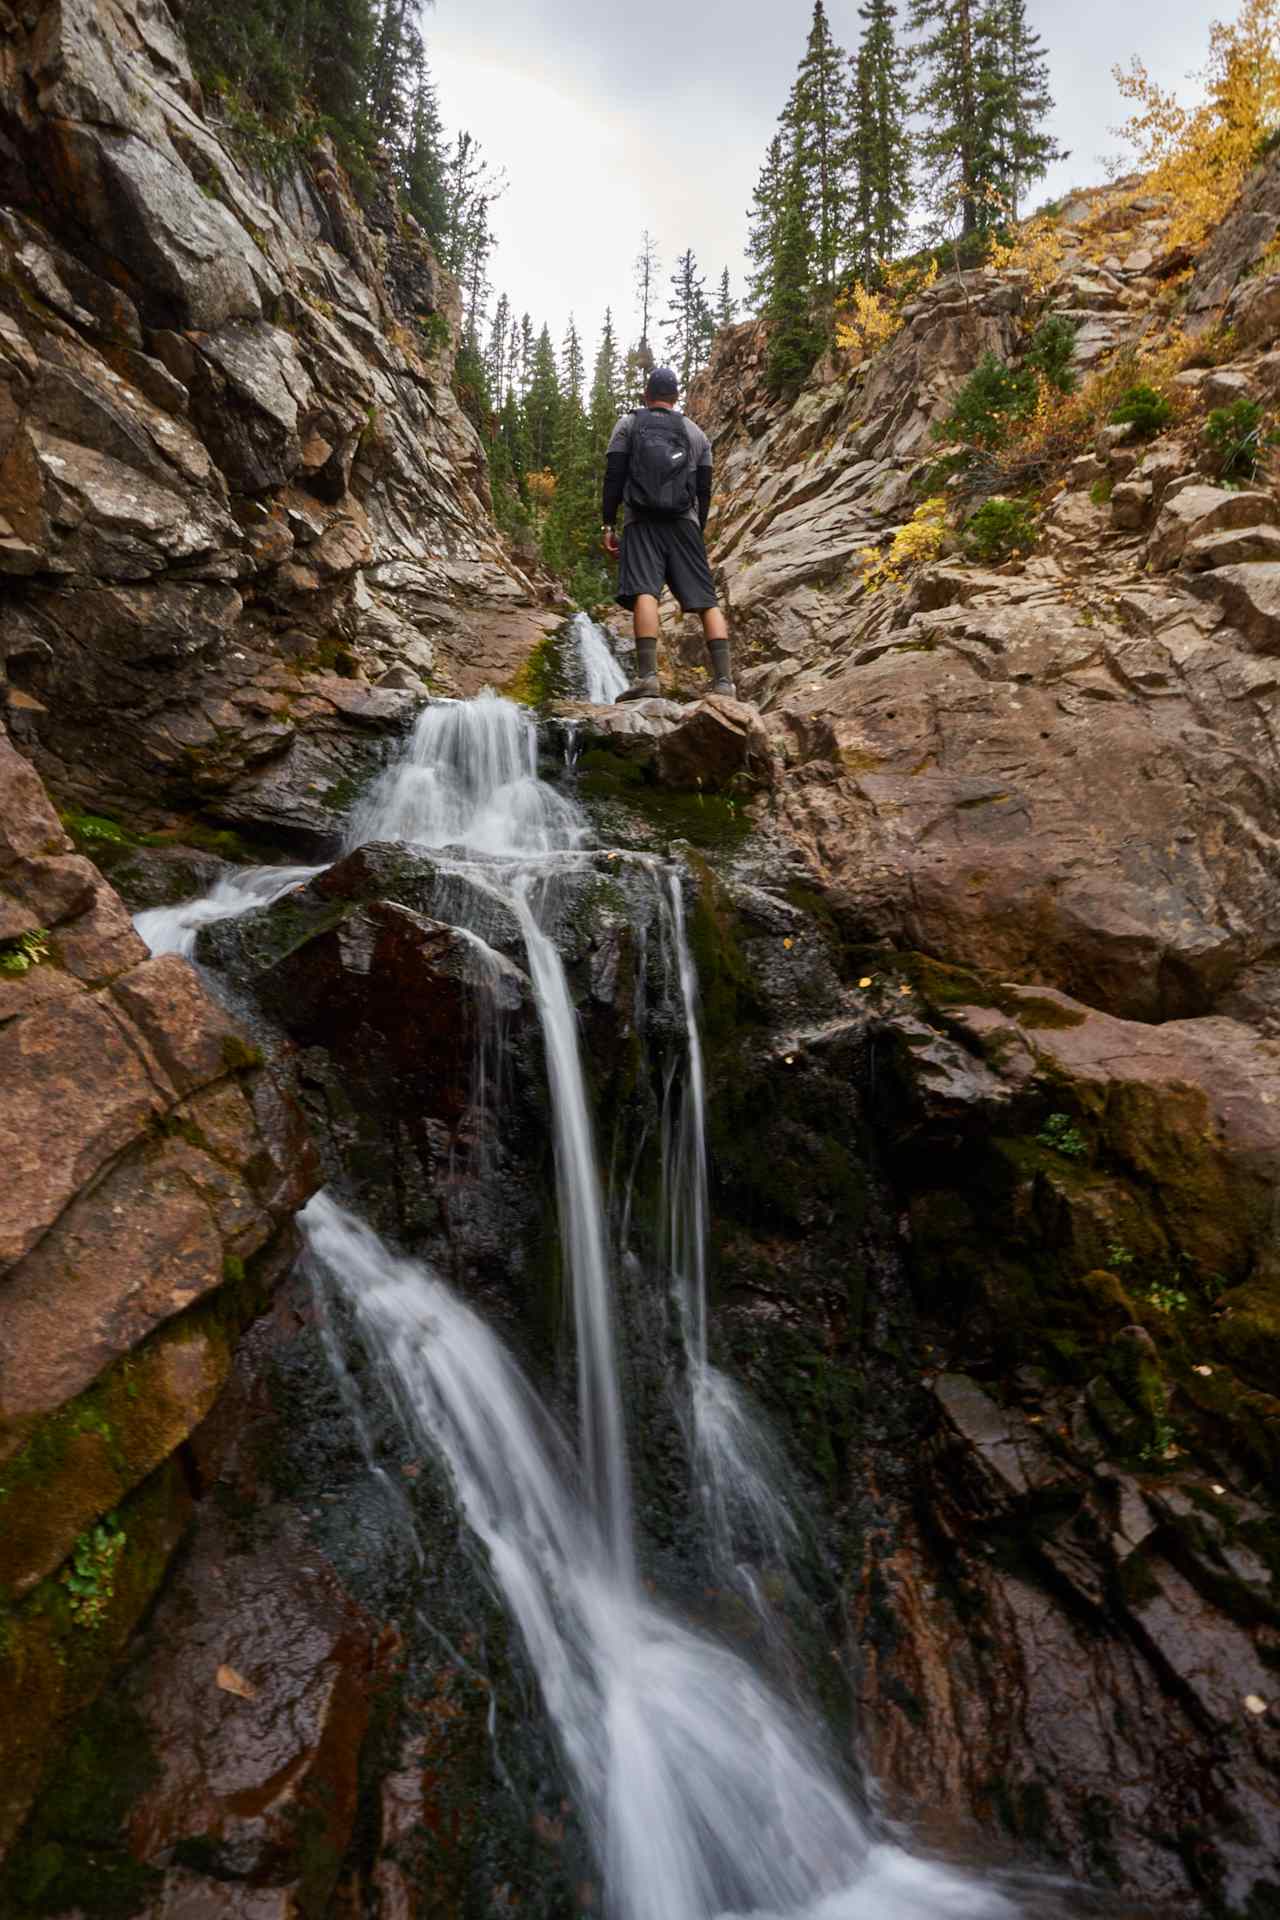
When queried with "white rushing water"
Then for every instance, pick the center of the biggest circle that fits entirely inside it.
(175, 929)
(602, 679)
(703, 1795)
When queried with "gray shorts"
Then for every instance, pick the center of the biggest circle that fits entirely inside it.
(658, 553)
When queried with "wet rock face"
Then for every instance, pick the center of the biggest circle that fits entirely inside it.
(151, 1177)
(228, 463)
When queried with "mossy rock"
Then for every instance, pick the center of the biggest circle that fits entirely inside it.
(1248, 1332)
(83, 1460)
(52, 1664)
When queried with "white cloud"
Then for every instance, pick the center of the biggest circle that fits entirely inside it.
(610, 119)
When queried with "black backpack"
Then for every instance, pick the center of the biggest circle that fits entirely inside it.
(661, 480)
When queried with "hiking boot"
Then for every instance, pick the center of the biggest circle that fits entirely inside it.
(721, 669)
(646, 685)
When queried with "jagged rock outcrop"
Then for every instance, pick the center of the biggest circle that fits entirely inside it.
(1037, 806)
(151, 1175)
(230, 458)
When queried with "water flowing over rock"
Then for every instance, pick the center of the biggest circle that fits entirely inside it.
(780, 1395)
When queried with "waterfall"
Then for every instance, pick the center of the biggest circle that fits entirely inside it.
(601, 679)
(737, 1470)
(703, 1795)
(175, 929)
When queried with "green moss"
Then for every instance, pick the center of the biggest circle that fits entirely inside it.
(97, 835)
(239, 1056)
(541, 678)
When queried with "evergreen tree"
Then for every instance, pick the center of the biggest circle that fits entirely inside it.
(571, 371)
(528, 348)
(765, 217)
(817, 119)
(688, 331)
(420, 168)
(726, 306)
(542, 404)
(947, 103)
(880, 144)
(608, 398)
(1026, 149)
(495, 358)
(794, 338)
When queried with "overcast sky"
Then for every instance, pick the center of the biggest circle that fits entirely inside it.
(611, 117)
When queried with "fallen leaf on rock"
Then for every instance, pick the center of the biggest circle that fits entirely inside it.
(865, 982)
(788, 942)
(1206, 1371)
(1255, 1703)
(1219, 1489)
(232, 1682)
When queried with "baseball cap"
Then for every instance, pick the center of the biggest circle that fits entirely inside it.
(662, 384)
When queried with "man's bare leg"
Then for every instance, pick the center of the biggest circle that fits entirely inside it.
(644, 619)
(715, 631)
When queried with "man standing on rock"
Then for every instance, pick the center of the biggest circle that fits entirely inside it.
(659, 463)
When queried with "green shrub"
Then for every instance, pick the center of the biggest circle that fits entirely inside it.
(1234, 438)
(1143, 409)
(999, 529)
(1049, 354)
(1058, 1134)
(991, 399)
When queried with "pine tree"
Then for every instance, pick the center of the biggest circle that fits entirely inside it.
(542, 404)
(726, 306)
(495, 358)
(688, 331)
(422, 164)
(528, 349)
(880, 144)
(571, 370)
(765, 217)
(1027, 150)
(607, 394)
(817, 117)
(794, 338)
(947, 103)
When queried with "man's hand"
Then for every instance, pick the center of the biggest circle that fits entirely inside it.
(610, 542)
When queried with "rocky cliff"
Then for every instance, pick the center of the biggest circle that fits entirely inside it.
(1037, 804)
(237, 489)
(243, 527)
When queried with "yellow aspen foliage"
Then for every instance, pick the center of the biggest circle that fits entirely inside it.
(920, 540)
(868, 319)
(541, 487)
(1036, 249)
(1200, 155)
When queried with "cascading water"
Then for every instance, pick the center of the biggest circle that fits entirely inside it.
(602, 679)
(176, 929)
(736, 1468)
(703, 1795)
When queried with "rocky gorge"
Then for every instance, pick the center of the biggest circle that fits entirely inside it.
(978, 883)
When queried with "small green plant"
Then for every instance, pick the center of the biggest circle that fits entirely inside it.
(1000, 528)
(991, 399)
(1062, 1137)
(1050, 351)
(1167, 1299)
(1101, 491)
(1163, 1443)
(91, 1575)
(1234, 438)
(1144, 409)
(1119, 1256)
(26, 951)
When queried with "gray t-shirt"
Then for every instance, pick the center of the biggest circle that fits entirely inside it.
(620, 442)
